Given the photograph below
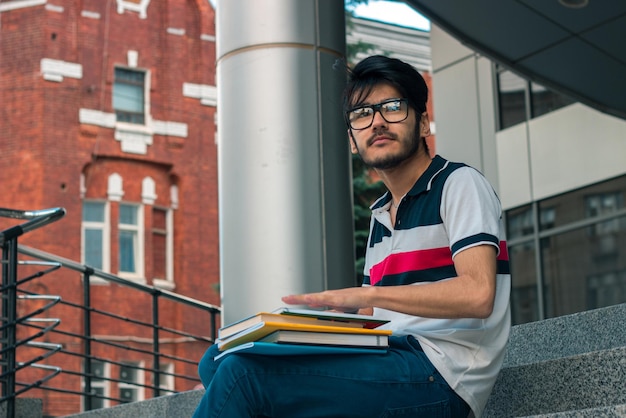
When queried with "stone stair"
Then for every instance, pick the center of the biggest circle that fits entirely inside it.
(568, 367)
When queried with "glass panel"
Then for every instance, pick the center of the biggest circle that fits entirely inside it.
(129, 376)
(128, 394)
(524, 302)
(129, 95)
(606, 289)
(599, 199)
(128, 214)
(128, 98)
(519, 222)
(127, 251)
(93, 211)
(545, 101)
(98, 384)
(93, 247)
(511, 98)
(98, 402)
(584, 271)
(97, 369)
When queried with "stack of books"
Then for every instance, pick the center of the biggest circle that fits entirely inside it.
(289, 331)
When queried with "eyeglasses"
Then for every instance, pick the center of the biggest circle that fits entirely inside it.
(392, 111)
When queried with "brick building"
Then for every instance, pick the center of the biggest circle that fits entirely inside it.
(107, 110)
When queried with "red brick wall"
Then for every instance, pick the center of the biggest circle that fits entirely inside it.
(44, 149)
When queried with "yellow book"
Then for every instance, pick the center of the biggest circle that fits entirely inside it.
(235, 327)
(262, 329)
(302, 316)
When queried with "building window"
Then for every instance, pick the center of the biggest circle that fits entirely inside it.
(166, 378)
(130, 385)
(602, 204)
(543, 100)
(519, 222)
(511, 99)
(573, 260)
(100, 372)
(95, 233)
(129, 95)
(520, 100)
(606, 289)
(129, 240)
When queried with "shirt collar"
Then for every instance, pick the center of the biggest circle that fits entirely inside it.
(423, 183)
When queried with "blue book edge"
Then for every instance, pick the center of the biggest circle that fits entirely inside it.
(279, 349)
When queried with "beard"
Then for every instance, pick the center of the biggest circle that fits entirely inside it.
(410, 147)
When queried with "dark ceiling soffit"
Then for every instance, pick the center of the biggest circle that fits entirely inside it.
(482, 49)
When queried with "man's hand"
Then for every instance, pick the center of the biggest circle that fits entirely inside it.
(344, 300)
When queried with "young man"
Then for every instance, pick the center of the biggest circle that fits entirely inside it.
(436, 267)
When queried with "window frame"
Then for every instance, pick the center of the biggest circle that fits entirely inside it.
(138, 243)
(105, 227)
(104, 383)
(593, 224)
(136, 385)
(145, 97)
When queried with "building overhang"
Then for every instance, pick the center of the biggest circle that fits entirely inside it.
(575, 47)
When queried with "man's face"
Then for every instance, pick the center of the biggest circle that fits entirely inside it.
(384, 145)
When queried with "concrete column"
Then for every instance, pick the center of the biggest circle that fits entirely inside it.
(285, 196)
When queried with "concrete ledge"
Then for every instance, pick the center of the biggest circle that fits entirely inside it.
(618, 411)
(569, 335)
(24, 408)
(173, 406)
(591, 380)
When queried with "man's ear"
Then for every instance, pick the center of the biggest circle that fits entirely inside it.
(424, 125)
(352, 142)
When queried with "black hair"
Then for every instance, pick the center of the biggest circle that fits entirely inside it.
(378, 69)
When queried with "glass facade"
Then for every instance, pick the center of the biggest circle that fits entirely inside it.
(568, 252)
(520, 100)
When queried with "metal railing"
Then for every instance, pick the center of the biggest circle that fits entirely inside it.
(69, 361)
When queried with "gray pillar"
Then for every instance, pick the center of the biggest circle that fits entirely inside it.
(285, 202)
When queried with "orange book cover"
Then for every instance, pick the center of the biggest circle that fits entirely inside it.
(262, 329)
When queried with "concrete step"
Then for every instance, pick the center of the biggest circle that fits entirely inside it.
(618, 411)
(179, 405)
(574, 383)
(567, 367)
(568, 335)
(24, 408)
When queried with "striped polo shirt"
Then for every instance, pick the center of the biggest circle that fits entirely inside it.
(451, 207)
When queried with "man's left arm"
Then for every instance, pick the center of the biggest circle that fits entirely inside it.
(468, 295)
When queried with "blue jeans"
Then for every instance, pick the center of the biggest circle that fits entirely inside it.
(400, 383)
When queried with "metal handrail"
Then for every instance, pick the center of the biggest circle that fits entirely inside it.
(81, 268)
(8, 242)
(46, 263)
(34, 219)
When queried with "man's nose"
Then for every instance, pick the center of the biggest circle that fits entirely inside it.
(378, 119)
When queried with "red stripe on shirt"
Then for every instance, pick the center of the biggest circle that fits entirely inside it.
(419, 260)
(410, 261)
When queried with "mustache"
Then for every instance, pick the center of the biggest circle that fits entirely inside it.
(378, 135)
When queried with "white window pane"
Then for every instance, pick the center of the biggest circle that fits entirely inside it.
(93, 247)
(128, 98)
(93, 211)
(127, 251)
(128, 215)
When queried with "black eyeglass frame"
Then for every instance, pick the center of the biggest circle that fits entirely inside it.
(376, 108)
